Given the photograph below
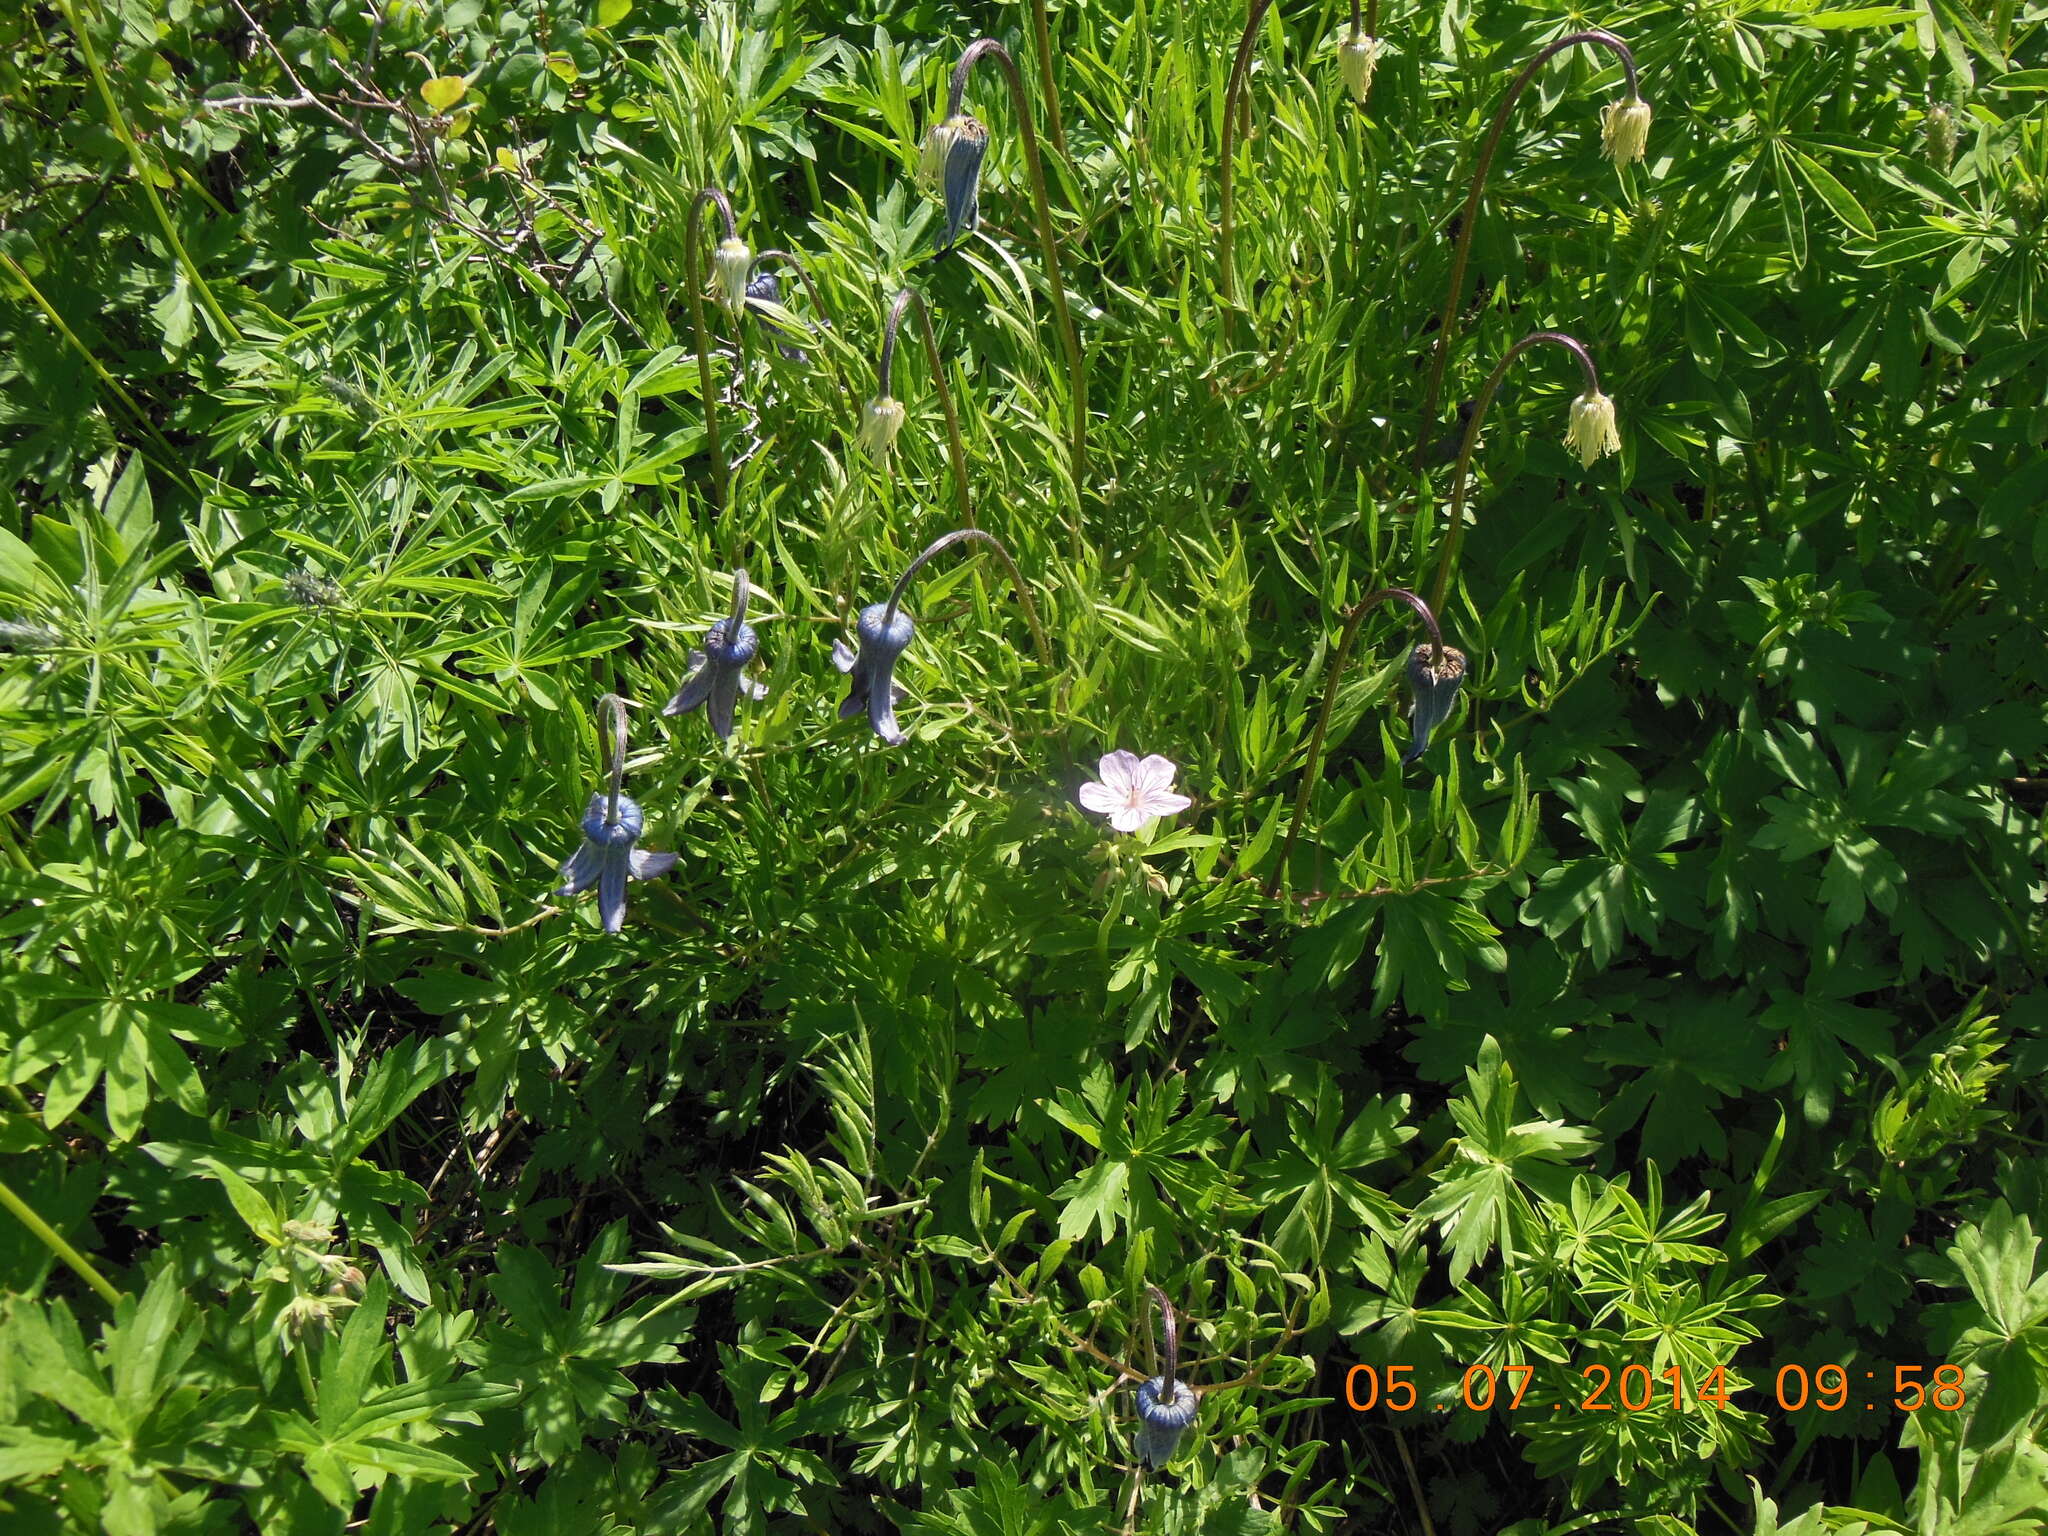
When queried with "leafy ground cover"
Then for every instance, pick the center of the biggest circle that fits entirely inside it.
(1555, 1045)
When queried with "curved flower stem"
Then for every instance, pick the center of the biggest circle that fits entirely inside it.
(618, 709)
(1041, 210)
(1352, 621)
(1041, 40)
(956, 449)
(53, 1240)
(739, 606)
(1455, 533)
(226, 327)
(1169, 1327)
(1447, 322)
(693, 270)
(946, 541)
(1240, 68)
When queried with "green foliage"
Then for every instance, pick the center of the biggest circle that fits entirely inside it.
(1674, 1025)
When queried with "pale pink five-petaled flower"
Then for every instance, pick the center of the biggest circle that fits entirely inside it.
(1133, 790)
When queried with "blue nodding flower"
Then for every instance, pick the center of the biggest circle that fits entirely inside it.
(612, 824)
(763, 286)
(885, 632)
(1435, 673)
(966, 144)
(1166, 1404)
(718, 673)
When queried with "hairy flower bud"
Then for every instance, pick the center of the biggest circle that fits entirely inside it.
(1357, 56)
(880, 420)
(1625, 129)
(732, 263)
(1592, 431)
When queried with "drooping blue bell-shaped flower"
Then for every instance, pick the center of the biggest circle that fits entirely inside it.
(871, 671)
(1164, 1415)
(1435, 673)
(966, 146)
(718, 673)
(608, 858)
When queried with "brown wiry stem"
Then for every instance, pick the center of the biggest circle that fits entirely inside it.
(1352, 621)
(1240, 68)
(1455, 533)
(956, 448)
(946, 541)
(1041, 210)
(1447, 322)
(1169, 1327)
(693, 271)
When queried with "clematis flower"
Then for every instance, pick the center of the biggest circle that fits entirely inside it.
(871, 671)
(1625, 129)
(1592, 431)
(612, 824)
(880, 420)
(1165, 1412)
(1166, 1404)
(763, 286)
(1435, 684)
(718, 673)
(1357, 56)
(1133, 791)
(965, 144)
(730, 264)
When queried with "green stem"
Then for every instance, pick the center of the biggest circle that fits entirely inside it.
(617, 706)
(956, 448)
(54, 1241)
(946, 541)
(1455, 533)
(1448, 320)
(791, 260)
(113, 384)
(223, 325)
(1352, 621)
(1041, 210)
(1240, 69)
(1041, 37)
(693, 275)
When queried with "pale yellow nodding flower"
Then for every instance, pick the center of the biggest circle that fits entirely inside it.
(1357, 56)
(938, 144)
(1625, 129)
(1592, 430)
(880, 420)
(732, 262)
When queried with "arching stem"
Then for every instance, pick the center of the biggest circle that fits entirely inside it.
(693, 274)
(1041, 210)
(1448, 320)
(617, 706)
(1313, 761)
(1454, 535)
(1226, 256)
(947, 541)
(1169, 1328)
(956, 448)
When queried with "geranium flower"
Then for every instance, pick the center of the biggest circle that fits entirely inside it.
(1133, 790)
